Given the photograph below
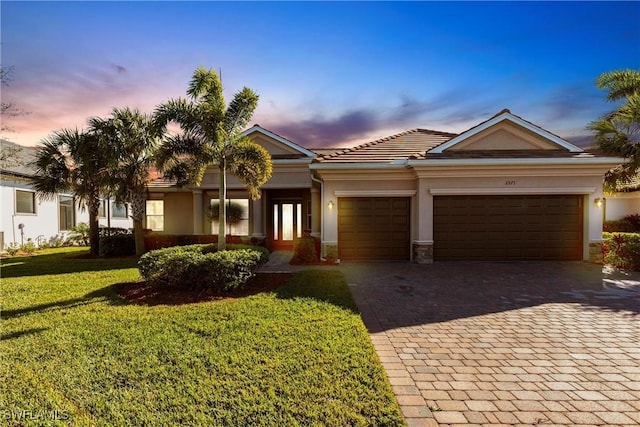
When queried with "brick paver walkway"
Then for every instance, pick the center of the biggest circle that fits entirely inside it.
(505, 343)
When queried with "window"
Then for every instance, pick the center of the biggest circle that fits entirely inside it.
(155, 215)
(119, 210)
(237, 217)
(102, 210)
(67, 213)
(25, 202)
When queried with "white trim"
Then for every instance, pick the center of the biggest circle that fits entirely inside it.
(502, 190)
(514, 119)
(374, 193)
(256, 128)
(515, 161)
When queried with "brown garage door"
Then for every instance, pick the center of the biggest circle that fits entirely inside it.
(373, 228)
(507, 227)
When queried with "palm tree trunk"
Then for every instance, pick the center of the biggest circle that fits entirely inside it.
(222, 200)
(94, 226)
(137, 214)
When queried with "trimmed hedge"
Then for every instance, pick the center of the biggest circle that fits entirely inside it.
(117, 245)
(200, 266)
(622, 250)
(304, 251)
(159, 241)
(628, 224)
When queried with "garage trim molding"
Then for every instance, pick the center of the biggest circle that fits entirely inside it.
(375, 193)
(501, 190)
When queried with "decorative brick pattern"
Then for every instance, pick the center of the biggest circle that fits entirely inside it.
(423, 253)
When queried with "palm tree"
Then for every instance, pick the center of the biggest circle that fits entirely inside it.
(211, 135)
(618, 132)
(76, 162)
(133, 137)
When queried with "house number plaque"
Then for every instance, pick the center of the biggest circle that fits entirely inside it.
(509, 183)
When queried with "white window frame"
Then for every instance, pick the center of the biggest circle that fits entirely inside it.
(126, 210)
(33, 195)
(73, 212)
(154, 215)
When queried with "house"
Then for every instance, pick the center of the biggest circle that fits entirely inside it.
(505, 189)
(25, 216)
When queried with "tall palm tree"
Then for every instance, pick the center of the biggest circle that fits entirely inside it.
(211, 135)
(76, 162)
(134, 139)
(618, 132)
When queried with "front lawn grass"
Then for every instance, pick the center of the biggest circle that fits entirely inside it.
(297, 356)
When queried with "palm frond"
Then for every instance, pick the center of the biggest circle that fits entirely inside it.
(240, 111)
(251, 163)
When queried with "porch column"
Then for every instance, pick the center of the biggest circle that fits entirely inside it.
(316, 212)
(198, 211)
(423, 245)
(257, 217)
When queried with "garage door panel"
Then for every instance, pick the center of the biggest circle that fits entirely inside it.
(373, 228)
(508, 227)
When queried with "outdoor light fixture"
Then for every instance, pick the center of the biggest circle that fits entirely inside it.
(599, 202)
(330, 205)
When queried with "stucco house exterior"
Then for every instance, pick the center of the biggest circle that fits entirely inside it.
(505, 189)
(24, 215)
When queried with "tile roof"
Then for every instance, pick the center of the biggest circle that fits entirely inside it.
(403, 145)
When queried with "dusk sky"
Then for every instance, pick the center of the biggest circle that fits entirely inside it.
(328, 74)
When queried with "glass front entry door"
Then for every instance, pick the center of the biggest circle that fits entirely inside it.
(287, 223)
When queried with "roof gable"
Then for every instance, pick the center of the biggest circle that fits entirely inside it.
(506, 131)
(276, 145)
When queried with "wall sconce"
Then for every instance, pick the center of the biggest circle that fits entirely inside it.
(330, 205)
(599, 202)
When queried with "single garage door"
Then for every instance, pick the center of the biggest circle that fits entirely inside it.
(373, 228)
(507, 227)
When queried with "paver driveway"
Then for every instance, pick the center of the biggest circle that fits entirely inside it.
(505, 343)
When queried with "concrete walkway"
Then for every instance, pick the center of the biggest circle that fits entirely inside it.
(505, 343)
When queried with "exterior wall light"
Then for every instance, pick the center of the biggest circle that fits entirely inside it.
(599, 202)
(330, 205)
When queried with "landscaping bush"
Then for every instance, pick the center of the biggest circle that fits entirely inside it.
(159, 241)
(113, 231)
(628, 224)
(117, 245)
(304, 251)
(622, 250)
(201, 266)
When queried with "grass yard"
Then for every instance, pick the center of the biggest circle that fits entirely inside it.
(299, 355)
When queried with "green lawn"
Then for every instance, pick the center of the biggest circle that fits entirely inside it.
(296, 356)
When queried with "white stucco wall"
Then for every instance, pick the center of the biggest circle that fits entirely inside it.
(622, 204)
(43, 226)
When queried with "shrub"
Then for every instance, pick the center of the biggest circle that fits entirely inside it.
(628, 224)
(117, 245)
(79, 234)
(113, 231)
(622, 250)
(619, 225)
(28, 248)
(12, 249)
(200, 266)
(159, 241)
(304, 251)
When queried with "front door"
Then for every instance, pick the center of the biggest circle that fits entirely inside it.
(286, 224)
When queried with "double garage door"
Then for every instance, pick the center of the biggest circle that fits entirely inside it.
(526, 227)
(508, 227)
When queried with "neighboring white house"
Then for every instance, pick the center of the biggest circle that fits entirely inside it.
(24, 215)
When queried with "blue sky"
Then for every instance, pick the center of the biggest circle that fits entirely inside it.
(328, 73)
